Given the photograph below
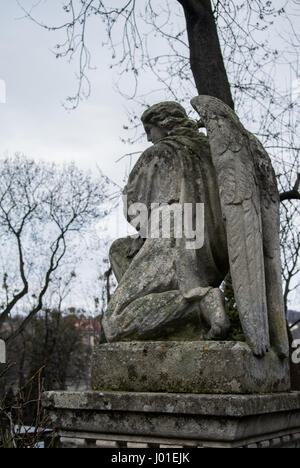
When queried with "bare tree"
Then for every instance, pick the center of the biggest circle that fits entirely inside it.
(57, 344)
(43, 211)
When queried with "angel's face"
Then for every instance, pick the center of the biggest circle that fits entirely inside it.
(154, 133)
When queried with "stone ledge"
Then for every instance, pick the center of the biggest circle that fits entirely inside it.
(206, 420)
(208, 405)
(204, 367)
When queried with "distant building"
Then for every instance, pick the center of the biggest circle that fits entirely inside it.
(91, 328)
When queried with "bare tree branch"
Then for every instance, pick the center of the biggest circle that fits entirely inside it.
(42, 209)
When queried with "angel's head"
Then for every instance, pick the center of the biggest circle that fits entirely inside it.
(168, 119)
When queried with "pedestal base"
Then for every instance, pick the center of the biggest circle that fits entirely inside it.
(188, 367)
(176, 420)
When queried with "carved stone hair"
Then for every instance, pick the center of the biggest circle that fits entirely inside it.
(172, 117)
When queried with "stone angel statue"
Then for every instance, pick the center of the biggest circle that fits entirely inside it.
(167, 291)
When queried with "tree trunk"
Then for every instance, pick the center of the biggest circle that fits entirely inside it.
(205, 51)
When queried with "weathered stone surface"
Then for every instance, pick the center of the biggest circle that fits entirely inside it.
(2, 352)
(250, 206)
(170, 403)
(187, 367)
(166, 284)
(210, 420)
(159, 278)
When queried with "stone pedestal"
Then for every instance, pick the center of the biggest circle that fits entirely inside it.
(181, 394)
(124, 419)
(187, 367)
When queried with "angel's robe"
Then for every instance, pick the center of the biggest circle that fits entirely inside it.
(174, 170)
(180, 170)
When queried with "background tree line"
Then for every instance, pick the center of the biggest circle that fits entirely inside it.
(48, 218)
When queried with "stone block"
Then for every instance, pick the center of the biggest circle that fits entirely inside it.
(218, 421)
(204, 367)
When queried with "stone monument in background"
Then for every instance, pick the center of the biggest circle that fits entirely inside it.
(170, 372)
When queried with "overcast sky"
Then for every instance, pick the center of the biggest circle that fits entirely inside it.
(33, 120)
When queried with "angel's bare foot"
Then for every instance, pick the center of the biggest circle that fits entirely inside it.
(213, 312)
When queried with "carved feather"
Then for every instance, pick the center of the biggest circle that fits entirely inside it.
(240, 201)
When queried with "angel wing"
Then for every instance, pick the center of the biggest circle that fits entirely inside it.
(240, 202)
(269, 202)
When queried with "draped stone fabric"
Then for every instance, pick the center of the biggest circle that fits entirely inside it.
(177, 169)
(169, 291)
(180, 170)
